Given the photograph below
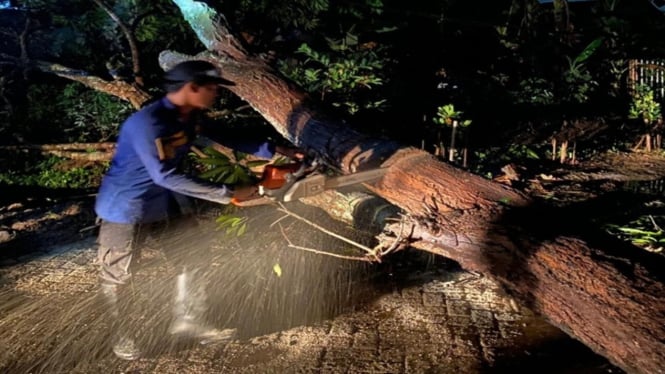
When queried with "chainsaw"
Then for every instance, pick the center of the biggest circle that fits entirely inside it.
(293, 181)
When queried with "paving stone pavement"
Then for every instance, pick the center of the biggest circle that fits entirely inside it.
(445, 322)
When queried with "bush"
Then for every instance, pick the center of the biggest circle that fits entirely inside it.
(72, 113)
(53, 172)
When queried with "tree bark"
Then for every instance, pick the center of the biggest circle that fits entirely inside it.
(605, 294)
(124, 90)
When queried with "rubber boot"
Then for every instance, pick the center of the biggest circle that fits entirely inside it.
(124, 345)
(189, 307)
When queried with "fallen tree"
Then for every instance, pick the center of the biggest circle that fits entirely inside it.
(603, 293)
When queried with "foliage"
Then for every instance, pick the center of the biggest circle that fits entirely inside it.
(83, 36)
(76, 114)
(642, 232)
(534, 90)
(447, 114)
(306, 15)
(617, 72)
(539, 56)
(328, 47)
(53, 172)
(340, 75)
(232, 224)
(490, 160)
(576, 85)
(300, 14)
(644, 106)
(219, 168)
(74, 28)
(520, 151)
(579, 82)
(542, 51)
(92, 115)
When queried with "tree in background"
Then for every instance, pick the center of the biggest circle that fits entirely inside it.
(377, 63)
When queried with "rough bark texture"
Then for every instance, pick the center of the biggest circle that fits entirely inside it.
(607, 295)
(121, 89)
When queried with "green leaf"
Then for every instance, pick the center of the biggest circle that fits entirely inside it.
(530, 153)
(214, 161)
(588, 51)
(209, 174)
(629, 230)
(242, 229)
(212, 152)
(255, 163)
(239, 156)
(277, 269)
(231, 179)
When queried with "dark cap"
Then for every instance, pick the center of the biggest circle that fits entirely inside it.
(196, 71)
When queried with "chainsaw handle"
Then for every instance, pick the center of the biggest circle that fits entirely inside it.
(247, 196)
(263, 200)
(292, 177)
(309, 163)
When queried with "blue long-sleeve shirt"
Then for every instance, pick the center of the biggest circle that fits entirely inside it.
(143, 177)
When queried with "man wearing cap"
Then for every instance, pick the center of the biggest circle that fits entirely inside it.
(143, 185)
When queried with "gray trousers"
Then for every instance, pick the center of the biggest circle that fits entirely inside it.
(184, 244)
(119, 245)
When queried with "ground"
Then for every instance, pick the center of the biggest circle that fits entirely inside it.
(411, 314)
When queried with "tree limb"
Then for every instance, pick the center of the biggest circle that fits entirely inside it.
(320, 252)
(368, 250)
(133, 45)
(124, 90)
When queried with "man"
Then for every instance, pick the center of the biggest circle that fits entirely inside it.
(143, 185)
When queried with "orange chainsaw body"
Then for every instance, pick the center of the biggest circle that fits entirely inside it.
(274, 176)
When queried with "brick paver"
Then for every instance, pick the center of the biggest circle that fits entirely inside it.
(445, 322)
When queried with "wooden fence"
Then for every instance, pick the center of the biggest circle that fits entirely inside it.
(649, 72)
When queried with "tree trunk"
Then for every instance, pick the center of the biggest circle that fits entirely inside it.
(607, 295)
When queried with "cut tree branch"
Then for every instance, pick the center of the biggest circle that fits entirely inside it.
(320, 252)
(368, 250)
